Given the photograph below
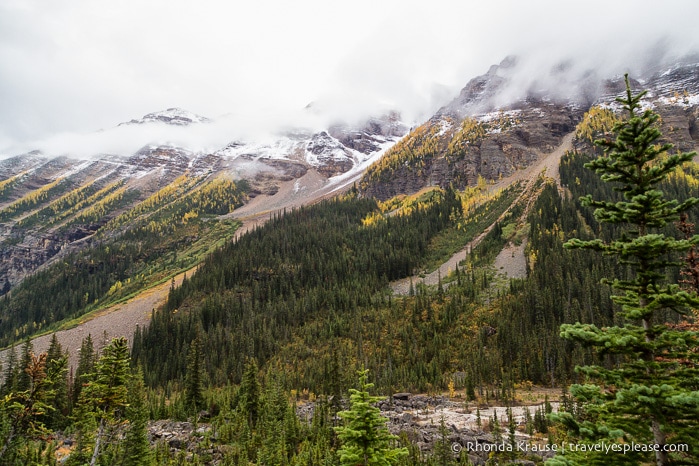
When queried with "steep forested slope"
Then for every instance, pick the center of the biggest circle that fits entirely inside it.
(301, 303)
(254, 294)
(169, 231)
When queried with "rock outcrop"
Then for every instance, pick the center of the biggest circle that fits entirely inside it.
(493, 128)
(420, 418)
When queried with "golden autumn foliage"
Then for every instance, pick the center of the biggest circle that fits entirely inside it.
(6, 185)
(596, 122)
(446, 138)
(32, 199)
(470, 132)
(68, 204)
(101, 207)
(423, 143)
(157, 200)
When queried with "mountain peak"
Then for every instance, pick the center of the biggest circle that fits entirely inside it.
(171, 116)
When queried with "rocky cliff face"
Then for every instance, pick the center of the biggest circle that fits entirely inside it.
(372, 136)
(484, 132)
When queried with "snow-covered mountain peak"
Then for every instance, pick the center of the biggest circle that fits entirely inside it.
(171, 116)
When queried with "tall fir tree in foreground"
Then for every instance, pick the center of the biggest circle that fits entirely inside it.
(102, 402)
(650, 394)
(365, 438)
(57, 363)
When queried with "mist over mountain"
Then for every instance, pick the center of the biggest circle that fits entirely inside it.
(263, 70)
(516, 115)
(420, 236)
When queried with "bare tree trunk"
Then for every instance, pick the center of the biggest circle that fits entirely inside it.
(661, 457)
(8, 441)
(98, 440)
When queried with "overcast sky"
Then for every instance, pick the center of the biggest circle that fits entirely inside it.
(69, 68)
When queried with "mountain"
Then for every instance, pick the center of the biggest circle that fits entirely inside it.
(45, 202)
(491, 130)
(171, 116)
(52, 207)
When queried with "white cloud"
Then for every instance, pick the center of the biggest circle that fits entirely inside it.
(70, 67)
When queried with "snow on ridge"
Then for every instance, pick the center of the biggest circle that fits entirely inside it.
(684, 100)
(281, 148)
(77, 168)
(322, 147)
(678, 66)
(340, 181)
(444, 126)
(171, 116)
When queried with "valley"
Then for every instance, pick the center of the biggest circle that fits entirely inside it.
(255, 284)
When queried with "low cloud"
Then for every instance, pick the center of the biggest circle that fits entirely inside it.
(70, 69)
(126, 139)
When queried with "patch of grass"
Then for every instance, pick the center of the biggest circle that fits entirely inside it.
(475, 221)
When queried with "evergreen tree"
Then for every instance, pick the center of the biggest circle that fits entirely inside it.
(194, 378)
(137, 450)
(57, 363)
(651, 395)
(86, 364)
(443, 454)
(364, 435)
(23, 380)
(11, 373)
(250, 393)
(105, 395)
(22, 412)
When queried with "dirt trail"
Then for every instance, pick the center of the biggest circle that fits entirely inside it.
(512, 260)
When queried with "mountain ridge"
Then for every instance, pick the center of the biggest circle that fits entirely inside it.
(264, 165)
(474, 136)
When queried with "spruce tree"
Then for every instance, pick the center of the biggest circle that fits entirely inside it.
(364, 435)
(57, 363)
(137, 450)
(104, 398)
(11, 374)
(194, 378)
(650, 393)
(86, 364)
(442, 454)
(250, 393)
(22, 412)
(24, 381)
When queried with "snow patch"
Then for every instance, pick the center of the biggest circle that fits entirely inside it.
(281, 148)
(444, 126)
(684, 100)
